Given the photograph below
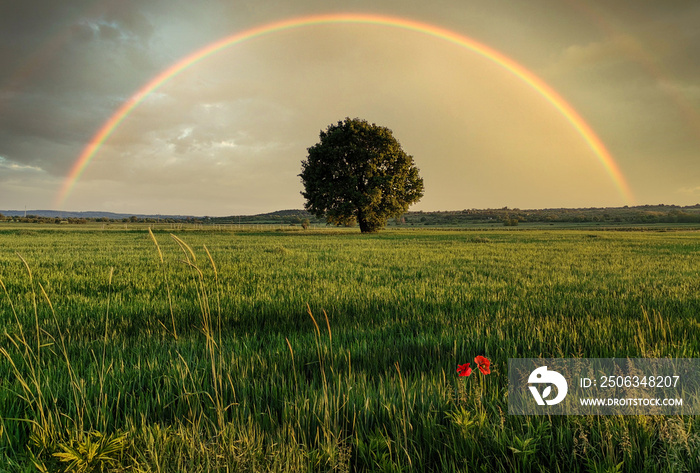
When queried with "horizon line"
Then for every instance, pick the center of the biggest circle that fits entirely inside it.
(518, 209)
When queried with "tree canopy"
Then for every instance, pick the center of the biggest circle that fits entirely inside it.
(358, 172)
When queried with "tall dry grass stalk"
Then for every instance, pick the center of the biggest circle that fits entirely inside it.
(212, 335)
(167, 284)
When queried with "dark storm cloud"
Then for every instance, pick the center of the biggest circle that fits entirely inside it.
(67, 65)
(25, 19)
(667, 31)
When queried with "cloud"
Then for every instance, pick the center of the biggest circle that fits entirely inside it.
(66, 65)
(12, 166)
(690, 191)
(616, 67)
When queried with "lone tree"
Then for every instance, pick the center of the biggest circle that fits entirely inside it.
(358, 172)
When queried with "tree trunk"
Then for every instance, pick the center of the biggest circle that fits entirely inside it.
(365, 226)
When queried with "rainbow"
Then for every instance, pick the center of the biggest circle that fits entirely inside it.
(549, 94)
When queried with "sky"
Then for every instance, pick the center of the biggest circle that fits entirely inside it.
(226, 134)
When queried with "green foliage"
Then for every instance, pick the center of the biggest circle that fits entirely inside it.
(93, 453)
(358, 172)
(591, 217)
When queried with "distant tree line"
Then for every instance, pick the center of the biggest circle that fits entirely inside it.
(511, 217)
(83, 220)
(646, 214)
(282, 217)
(40, 219)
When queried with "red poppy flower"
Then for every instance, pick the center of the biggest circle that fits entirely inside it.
(464, 370)
(483, 364)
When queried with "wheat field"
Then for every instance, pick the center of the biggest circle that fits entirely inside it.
(192, 351)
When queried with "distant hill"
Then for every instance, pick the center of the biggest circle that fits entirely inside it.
(89, 215)
(642, 214)
(277, 217)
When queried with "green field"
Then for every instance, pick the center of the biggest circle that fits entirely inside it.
(330, 350)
